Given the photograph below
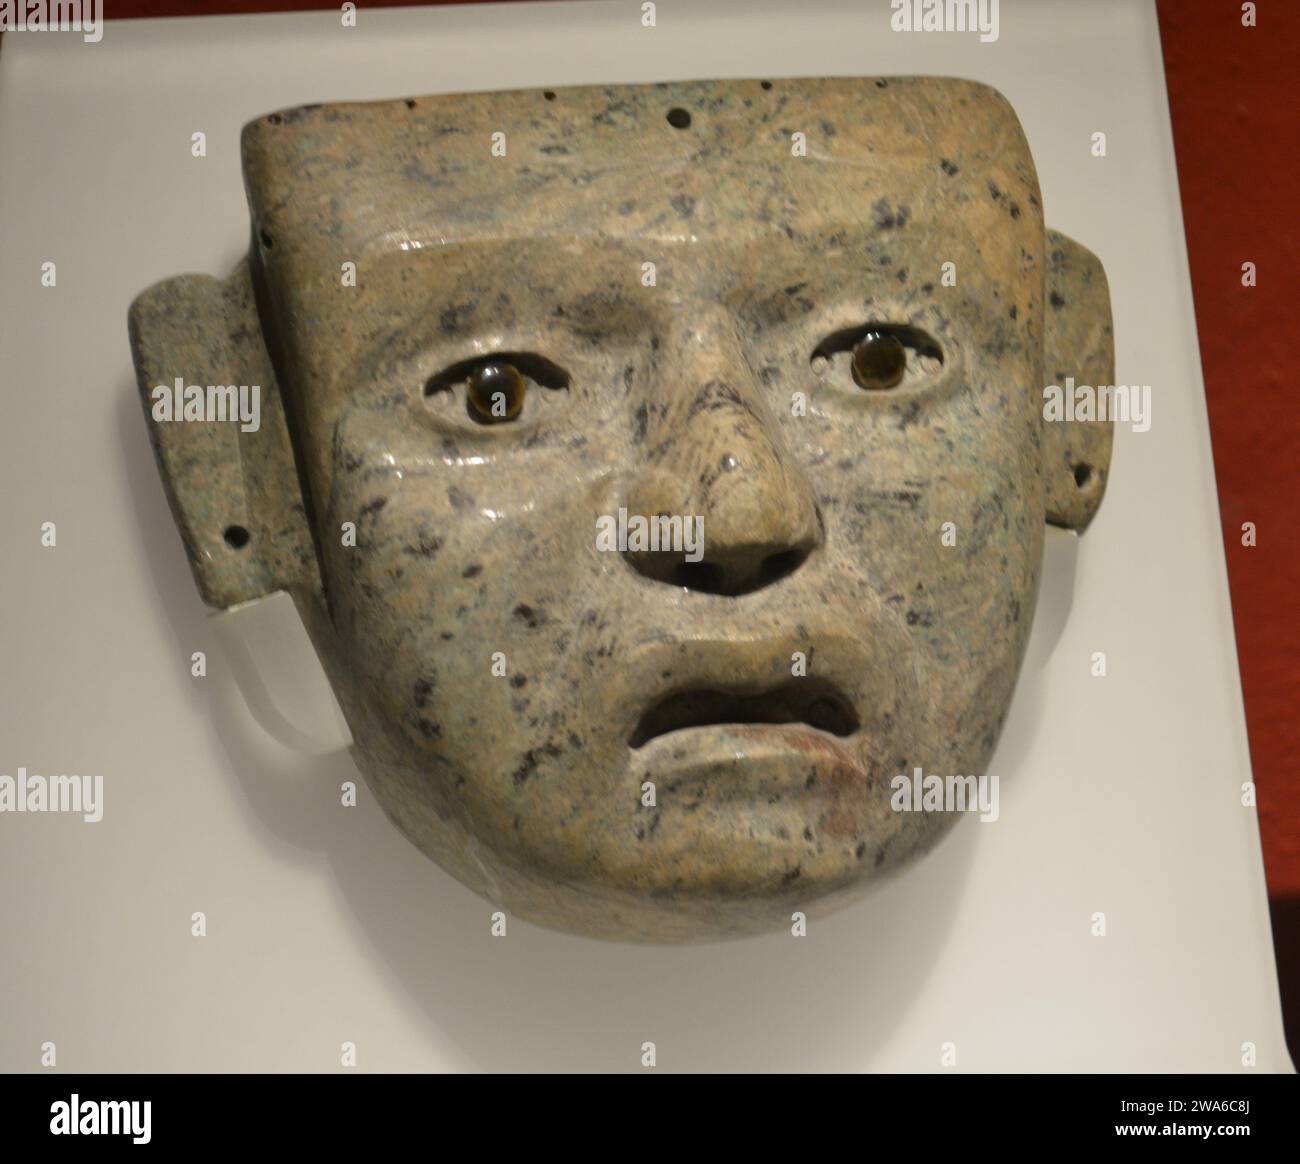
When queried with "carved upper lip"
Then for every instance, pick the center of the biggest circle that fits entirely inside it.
(825, 680)
(819, 703)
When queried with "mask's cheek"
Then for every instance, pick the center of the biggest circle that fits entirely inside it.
(451, 676)
(382, 585)
(978, 605)
(950, 540)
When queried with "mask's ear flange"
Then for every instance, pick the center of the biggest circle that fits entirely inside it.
(234, 494)
(1079, 343)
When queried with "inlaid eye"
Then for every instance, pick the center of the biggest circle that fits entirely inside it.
(878, 357)
(499, 389)
(495, 392)
(879, 361)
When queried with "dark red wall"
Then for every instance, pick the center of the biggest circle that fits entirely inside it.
(1234, 96)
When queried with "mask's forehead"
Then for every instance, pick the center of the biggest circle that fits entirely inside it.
(802, 159)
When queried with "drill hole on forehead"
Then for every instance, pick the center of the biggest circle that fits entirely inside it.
(679, 118)
(236, 536)
(765, 84)
(548, 94)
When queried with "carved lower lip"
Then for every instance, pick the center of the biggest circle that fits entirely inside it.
(811, 705)
(787, 768)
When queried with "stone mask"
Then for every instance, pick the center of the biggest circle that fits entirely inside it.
(818, 315)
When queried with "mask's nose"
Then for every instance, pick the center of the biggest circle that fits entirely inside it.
(714, 452)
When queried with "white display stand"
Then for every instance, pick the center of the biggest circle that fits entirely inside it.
(1119, 795)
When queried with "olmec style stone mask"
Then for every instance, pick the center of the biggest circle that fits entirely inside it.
(794, 369)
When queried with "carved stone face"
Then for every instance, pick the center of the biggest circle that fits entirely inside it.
(836, 362)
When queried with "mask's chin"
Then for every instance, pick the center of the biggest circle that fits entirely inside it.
(747, 824)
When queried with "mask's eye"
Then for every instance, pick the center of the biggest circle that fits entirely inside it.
(495, 392)
(495, 388)
(880, 356)
(879, 361)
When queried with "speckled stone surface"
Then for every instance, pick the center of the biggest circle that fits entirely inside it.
(511, 688)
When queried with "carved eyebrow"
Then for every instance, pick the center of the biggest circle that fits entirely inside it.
(537, 368)
(760, 308)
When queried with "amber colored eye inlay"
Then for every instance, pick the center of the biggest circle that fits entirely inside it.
(495, 392)
(879, 361)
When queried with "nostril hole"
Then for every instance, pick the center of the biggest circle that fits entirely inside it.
(1082, 475)
(777, 566)
(733, 578)
(236, 536)
(698, 576)
(679, 118)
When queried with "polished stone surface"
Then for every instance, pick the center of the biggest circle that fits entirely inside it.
(511, 688)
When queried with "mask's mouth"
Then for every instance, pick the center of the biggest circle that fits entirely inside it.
(814, 703)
